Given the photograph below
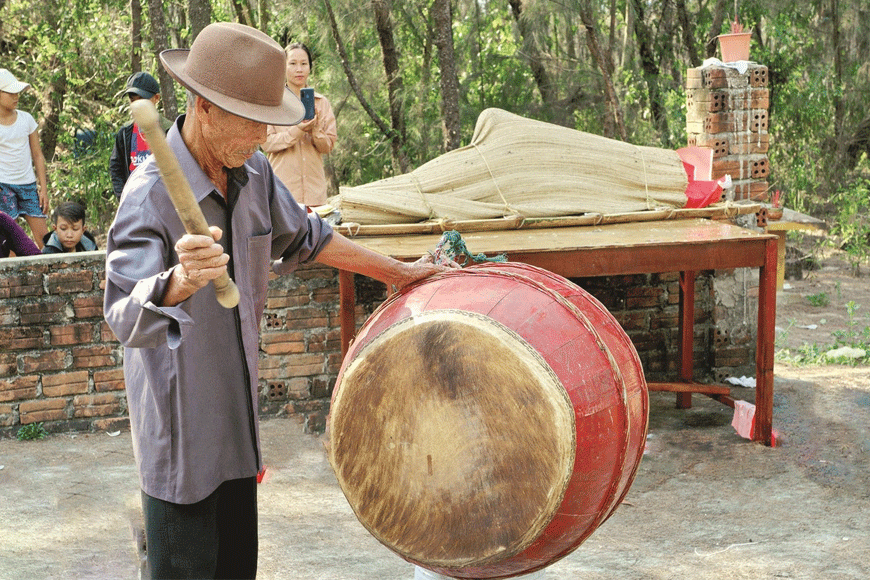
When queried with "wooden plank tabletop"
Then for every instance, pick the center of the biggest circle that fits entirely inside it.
(662, 246)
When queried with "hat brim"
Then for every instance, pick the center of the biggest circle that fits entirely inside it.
(141, 92)
(16, 87)
(289, 112)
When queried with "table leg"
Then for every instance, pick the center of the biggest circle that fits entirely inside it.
(765, 345)
(687, 334)
(347, 302)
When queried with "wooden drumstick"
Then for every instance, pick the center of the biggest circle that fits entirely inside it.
(179, 190)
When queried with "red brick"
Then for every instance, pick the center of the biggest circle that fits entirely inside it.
(49, 360)
(325, 295)
(664, 320)
(632, 320)
(63, 384)
(8, 315)
(273, 373)
(7, 416)
(69, 334)
(109, 380)
(115, 424)
(287, 301)
(298, 365)
(95, 405)
(271, 362)
(23, 283)
(88, 306)
(296, 322)
(43, 410)
(93, 356)
(309, 273)
(278, 348)
(70, 282)
(281, 336)
(18, 338)
(8, 364)
(43, 312)
(106, 334)
(642, 302)
(272, 321)
(19, 388)
(298, 388)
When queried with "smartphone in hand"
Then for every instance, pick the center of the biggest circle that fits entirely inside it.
(306, 95)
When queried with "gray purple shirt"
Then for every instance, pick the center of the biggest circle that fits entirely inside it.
(191, 370)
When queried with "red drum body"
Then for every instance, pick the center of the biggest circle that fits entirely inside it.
(486, 421)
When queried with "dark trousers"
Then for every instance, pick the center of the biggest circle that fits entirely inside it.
(213, 538)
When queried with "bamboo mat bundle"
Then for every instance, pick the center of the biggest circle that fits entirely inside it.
(521, 167)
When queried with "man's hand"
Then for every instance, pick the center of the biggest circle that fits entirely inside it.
(422, 268)
(201, 260)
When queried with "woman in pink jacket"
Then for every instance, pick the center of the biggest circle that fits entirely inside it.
(296, 151)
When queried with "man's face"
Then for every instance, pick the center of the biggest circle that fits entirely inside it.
(231, 139)
(69, 233)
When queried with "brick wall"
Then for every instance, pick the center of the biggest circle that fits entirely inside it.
(727, 111)
(61, 365)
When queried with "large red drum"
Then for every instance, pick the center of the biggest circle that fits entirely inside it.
(486, 421)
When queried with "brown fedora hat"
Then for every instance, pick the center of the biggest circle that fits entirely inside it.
(239, 69)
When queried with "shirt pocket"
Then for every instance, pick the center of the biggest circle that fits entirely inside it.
(259, 248)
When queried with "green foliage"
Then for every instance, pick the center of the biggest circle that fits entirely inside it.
(83, 176)
(31, 431)
(851, 226)
(853, 336)
(85, 44)
(820, 299)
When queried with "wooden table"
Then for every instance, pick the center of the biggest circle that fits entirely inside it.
(684, 246)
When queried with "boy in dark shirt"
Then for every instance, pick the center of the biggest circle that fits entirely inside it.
(69, 233)
(130, 147)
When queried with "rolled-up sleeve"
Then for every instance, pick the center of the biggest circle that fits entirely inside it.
(297, 236)
(139, 262)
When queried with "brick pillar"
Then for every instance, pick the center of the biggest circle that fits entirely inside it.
(728, 112)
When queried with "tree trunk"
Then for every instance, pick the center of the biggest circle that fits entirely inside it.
(616, 122)
(53, 94)
(651, 71)
(384, 26)
(199, 15)
(53, 97)
(716, 28)
(839, 113)
(159, 42)
(443, 39)
(243, 12)
(397, 143)
(688, 34)
(135, 36)
(263, 10)
(611, 35)
(533, 56)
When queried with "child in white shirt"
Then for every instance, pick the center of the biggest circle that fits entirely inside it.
(23, 191)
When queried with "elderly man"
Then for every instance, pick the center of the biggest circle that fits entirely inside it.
(190, 365)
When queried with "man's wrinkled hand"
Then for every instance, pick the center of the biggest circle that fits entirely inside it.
(201, 258)
(423, 268)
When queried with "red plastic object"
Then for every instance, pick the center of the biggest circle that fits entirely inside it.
(573, 337)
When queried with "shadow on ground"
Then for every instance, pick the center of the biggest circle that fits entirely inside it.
(706, 504)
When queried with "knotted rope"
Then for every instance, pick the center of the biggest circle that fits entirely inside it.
(452, 245)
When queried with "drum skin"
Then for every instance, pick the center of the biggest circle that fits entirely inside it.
(486, 421)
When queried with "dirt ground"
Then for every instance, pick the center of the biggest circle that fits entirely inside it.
(706, 504)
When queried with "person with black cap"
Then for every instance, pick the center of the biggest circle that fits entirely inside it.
(191, 365)
(130, 147)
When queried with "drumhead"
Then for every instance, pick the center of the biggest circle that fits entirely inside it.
(452, 439)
